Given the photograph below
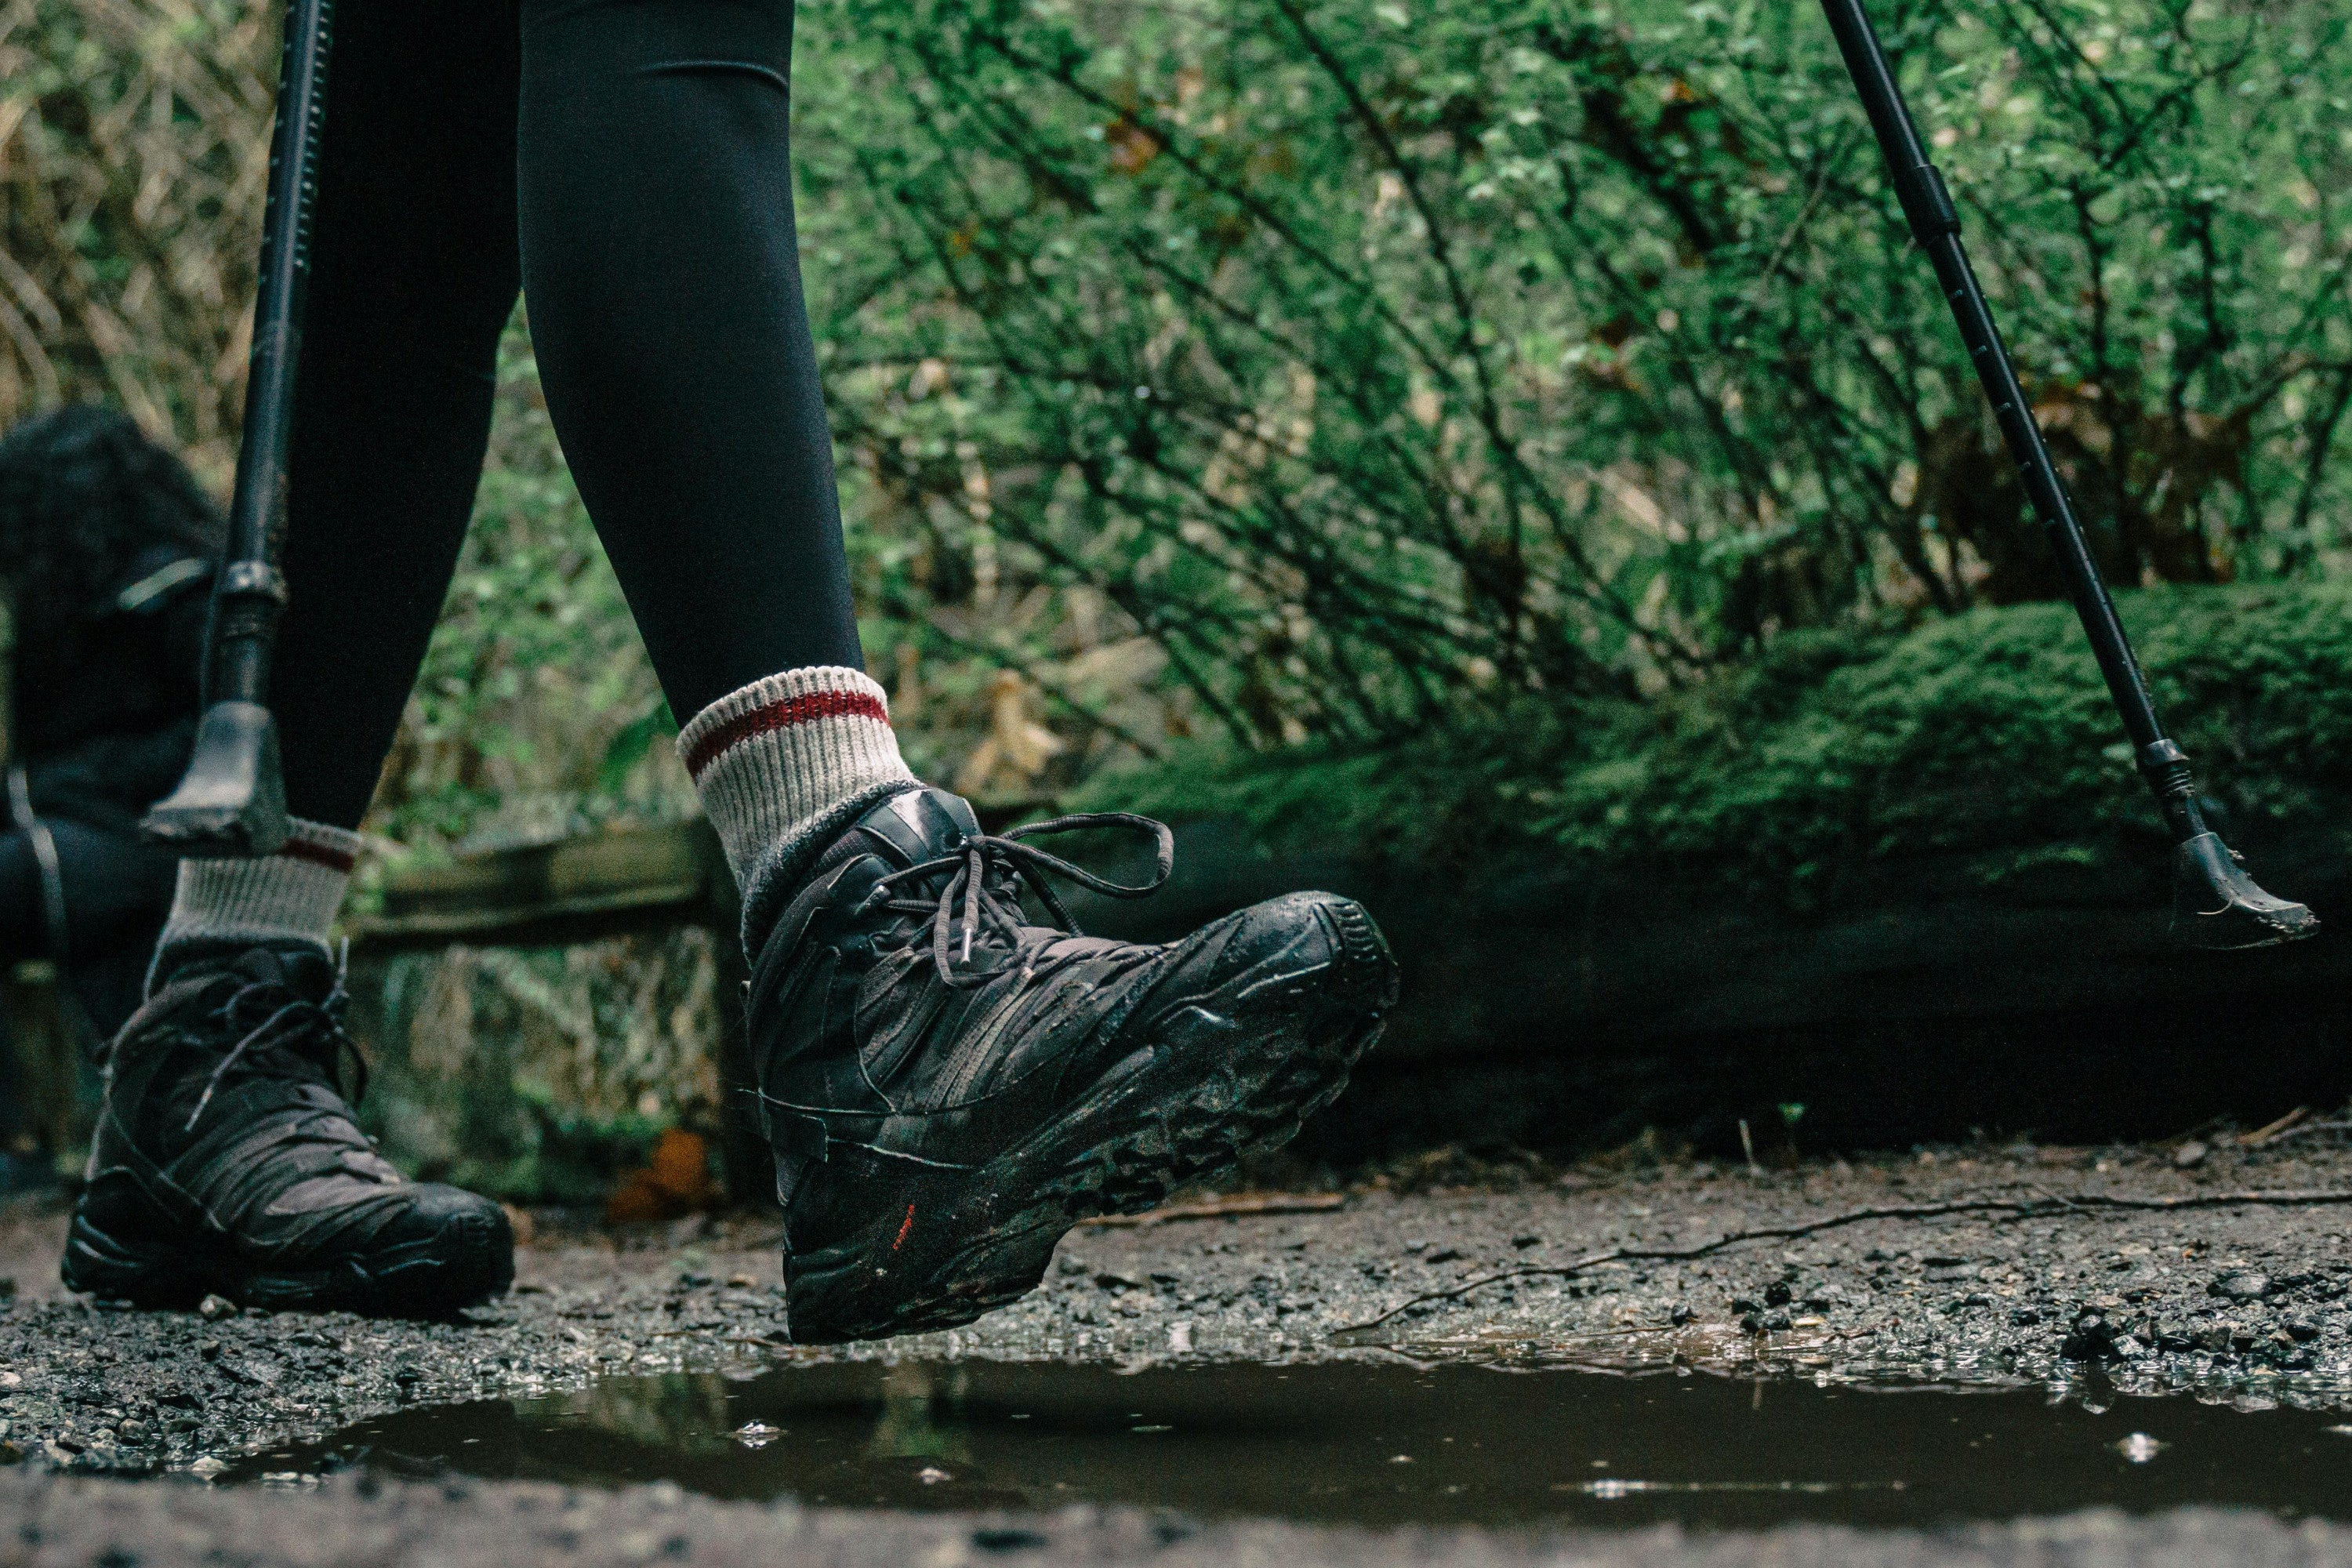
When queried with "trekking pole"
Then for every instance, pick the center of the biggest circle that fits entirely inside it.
(232, 800)
(2215, 904)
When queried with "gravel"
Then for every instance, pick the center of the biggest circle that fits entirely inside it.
(2242, 1304)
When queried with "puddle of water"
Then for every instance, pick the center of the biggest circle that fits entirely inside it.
(1366, 1444)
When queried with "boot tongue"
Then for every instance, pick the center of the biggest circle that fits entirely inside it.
(302, 969)
(280, 977)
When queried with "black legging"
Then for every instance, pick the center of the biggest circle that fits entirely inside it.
(624, 163)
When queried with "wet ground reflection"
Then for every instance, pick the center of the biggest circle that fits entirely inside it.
(1369, 1443)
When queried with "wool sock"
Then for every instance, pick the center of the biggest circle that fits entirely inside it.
(288, 899)
(785, 765)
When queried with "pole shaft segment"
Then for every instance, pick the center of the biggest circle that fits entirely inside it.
(250, 594)
(231, 802)
(1935, 226)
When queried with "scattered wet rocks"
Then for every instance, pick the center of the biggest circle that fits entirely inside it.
(2240, 1285)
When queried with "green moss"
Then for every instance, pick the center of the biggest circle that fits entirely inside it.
(1989, 737)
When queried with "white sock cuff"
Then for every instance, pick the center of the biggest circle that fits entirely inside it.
(783, 755)
(291, 896)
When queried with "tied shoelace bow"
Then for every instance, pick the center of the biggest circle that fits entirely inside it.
(293, 1021)
(990, 869)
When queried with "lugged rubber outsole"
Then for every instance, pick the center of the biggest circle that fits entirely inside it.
(467, 1261)
(952, 1246)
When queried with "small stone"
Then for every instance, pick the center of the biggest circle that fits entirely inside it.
(213, 1308)
(1443, 1255)
(2025, 1317)
(2091, 1339)
(208, 1467)
(2189, 1155)
(1778, 1323)
(2303, 1334)
(1680, 1316)
(740, 1281)
(132, 1430)
(993, 1538)
(2242, 1285)
(1778, 1294)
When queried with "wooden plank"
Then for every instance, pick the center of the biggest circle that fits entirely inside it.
(622, 878)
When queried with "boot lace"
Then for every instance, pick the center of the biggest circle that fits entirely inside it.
(980, 904)
(284, 1028)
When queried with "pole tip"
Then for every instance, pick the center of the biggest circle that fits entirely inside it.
(232, 803)
(2216, 906)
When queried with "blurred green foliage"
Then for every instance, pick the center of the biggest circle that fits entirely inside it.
(1265, 373)
(1379, 360)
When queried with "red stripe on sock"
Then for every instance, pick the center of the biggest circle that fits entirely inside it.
(782, 714)
(336, 860)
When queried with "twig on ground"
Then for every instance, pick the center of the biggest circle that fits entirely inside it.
(2000, 1208)
(1219, 1208)
(2262, 1135)
(2305, 1128)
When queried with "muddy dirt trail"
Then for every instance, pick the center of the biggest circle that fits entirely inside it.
(2070, 1289)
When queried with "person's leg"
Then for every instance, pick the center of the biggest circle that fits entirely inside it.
(947, 1087)
(226, 1159)
(661, 269)
(414, 275)
(660, 264)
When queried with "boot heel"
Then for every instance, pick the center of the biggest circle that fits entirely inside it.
(96, 1264)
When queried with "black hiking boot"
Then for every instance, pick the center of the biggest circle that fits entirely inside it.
(226, 1161)
(949, 1088)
